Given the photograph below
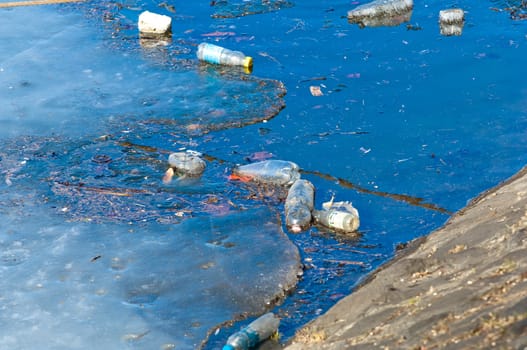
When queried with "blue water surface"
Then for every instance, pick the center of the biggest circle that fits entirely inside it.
(98, 251)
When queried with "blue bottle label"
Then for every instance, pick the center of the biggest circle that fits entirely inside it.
(212, 53)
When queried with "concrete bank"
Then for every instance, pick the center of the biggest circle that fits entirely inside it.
(464, 286)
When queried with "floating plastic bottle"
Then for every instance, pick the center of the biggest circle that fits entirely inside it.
(219, 55)
(257, 331)
(185, 163)
(276, 172)
(298, 206)
(339, 216)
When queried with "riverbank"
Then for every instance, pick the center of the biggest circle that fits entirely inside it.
(464, 286)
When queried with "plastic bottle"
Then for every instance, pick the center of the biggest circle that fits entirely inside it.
(187, 163)
(339, 220)
(276, 172)
(257, 331)
(298, 206)
(219, 55)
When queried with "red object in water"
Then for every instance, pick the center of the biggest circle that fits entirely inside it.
(235, 177)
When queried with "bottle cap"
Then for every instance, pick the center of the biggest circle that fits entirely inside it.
(248, 62)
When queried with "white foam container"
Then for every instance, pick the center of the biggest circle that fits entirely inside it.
(153, 23)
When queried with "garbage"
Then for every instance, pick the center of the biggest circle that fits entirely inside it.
(451, 21)
(219, 55)
(153, 24)
(257, 331)
(382, 13)
(315, 90)
(184, 163)
(340, 216)
(276, 172)
(298, 206)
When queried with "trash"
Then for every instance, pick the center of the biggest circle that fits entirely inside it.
(219, 55)
(298, 206)
(340, 216)
(257, 331)
(153, 24)
(451, 21)
(315, 90)
(382, 13)
(276, 172)
(185, 163)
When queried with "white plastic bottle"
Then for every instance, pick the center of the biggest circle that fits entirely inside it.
(337, 219)
(219, 55)
(257, 331)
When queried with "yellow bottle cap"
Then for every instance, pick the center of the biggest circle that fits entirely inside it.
(248, 62)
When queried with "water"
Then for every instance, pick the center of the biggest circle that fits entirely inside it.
(410, 126)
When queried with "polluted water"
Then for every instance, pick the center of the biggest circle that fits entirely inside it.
(97, 250)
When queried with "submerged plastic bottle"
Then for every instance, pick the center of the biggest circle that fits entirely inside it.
(219, 55)
(339, 220)
(257, 331)
(298, 206)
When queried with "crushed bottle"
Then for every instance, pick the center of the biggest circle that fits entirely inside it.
(339, 216)
(275, 172)
(186, 163)
(257, 331)
(298, 206)
(219, 55)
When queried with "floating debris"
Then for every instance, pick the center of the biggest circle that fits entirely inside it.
(256, 332)
(451, 21)
(276, 172)
(219, 55)
(339, 216)
(153, 24)
(382, 13)
(298, 206)
(187, 163)
(315, 90)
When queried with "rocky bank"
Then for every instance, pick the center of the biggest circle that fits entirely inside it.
(464, 286)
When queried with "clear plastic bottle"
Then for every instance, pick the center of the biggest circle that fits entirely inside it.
(188, 163)
(273, 171)
(257, 331)
(339, 220)
(298, 206)
(219, 55)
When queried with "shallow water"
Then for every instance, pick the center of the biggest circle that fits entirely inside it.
(410, 126)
